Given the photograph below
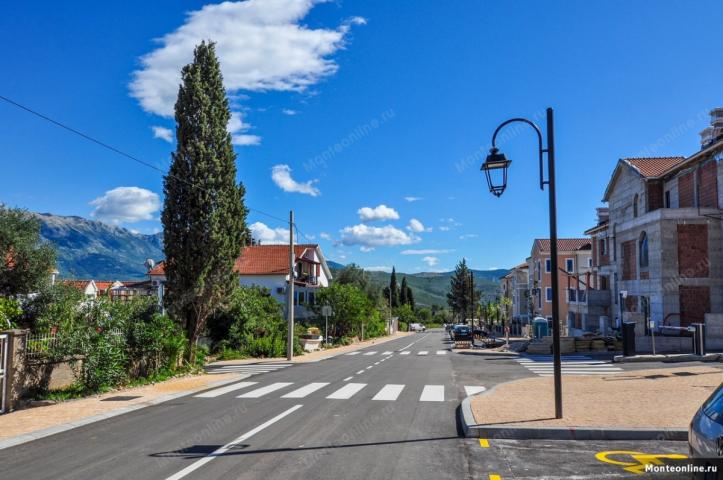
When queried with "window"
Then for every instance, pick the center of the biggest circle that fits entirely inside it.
(548, 294)
(312, 298)
(548, 265)
(603, 246)
(635, 206)
(571, 296)
(643, 250)
(300, 298)
(589, 262)
(570, 265)
(537, 269)
(581, 294)
(667, 199)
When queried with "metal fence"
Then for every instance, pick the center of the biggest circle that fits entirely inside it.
(40, 344)
(3, 371)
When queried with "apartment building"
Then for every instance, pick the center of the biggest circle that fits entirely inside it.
(514, 286)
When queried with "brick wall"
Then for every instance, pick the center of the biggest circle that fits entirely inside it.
(693, 251)
(708, 185)
(686, 193)
(694, 304)
(654, 191)
(628, 256)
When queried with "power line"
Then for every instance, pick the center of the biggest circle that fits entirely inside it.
(121, 152)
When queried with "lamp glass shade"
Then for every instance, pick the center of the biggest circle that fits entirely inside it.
(495, 168)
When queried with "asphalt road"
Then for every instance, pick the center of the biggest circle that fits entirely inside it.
(381, 415)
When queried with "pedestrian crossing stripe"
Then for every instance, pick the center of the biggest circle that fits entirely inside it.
(423, 352)
(353, 353)
(370, 353)
(246, 368)
(569, 365)
(406, 352)
(389, 392)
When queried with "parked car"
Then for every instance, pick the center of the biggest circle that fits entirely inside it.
(417, 327)
(460, 332)
(705, 435)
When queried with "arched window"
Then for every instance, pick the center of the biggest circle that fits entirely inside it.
(635, 206)
(643, 250)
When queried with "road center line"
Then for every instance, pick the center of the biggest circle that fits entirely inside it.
(418, 340)
(220, 451)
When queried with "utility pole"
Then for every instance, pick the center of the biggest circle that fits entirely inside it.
(290, 292)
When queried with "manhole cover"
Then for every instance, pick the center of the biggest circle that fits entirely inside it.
(120, 398)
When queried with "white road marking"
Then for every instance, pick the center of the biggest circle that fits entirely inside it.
(352, 353)
(406, 352)
(370, 367)
(360, 372)
(472, 390)
(417, 340)
(305, 390)
(423, 352)
(389, 392)
(260, 392)
(370, 353)
(387, 353)
(441, 352)
(376, 363)
(347, 391)
(220, 451)
(347, 379)
(432, 393)
(220, 391)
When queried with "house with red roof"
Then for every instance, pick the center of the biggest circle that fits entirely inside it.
(268, 266)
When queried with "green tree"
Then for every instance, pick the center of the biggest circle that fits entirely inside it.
(350, 305)
(353, 274)
(403, 291)
(462, 297)
(394, 288)
(25, 260)
(410, 298)
(204, 217)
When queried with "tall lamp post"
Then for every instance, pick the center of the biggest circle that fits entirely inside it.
(495, 168)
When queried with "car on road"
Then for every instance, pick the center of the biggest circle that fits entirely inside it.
(705, 435)
(460, 331)
(417, 327)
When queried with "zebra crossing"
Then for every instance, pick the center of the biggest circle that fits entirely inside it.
(388, 392)
(403, 352)
(543, 365)
(247, 368)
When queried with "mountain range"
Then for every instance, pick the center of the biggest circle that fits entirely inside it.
(91, 249)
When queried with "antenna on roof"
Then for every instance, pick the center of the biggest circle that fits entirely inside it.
(149, 263)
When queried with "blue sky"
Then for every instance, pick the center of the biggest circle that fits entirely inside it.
(355, 104)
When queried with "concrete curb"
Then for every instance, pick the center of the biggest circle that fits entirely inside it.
(473, 430)
(668, 358)
(46, 432)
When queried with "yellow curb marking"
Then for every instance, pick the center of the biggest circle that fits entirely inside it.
(494, 476)
(484, 443)
(641, 459)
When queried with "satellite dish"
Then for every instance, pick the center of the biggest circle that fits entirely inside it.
(149, 263)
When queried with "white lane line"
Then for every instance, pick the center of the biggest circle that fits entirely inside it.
(376, 363)
(370, 367)
(305, 390)
(432, 393)
(347, 391)
(352, 353)
(220, 391)
(260, 392)
(418, 340)
(422, 352)
(387, 353)
(406, 352)
(389, 392)
(474, 389)
(441, 352)
(370, 353)
(347, 379)
(360, 372)
(220, 451)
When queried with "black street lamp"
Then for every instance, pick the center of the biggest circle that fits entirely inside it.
(495, 168)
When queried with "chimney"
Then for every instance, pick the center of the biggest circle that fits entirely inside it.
(714, 132)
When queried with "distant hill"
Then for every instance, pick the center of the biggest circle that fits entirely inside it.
(430, 288)
(91, 249)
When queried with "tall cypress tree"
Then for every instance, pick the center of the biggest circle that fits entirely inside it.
(204, 217)
(394, 288)
(410, 298)
(403, 298)
(461, 295)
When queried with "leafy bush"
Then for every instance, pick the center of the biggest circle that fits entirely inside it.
(406, 316)
(10, 312)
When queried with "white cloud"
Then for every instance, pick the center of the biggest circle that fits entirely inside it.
(468, 236)
(381, 268)
(281, 175)
(325, 236)
(238, 128)
(431, 261)
(163, 133)
(262, 46)
(126, 205)
(417, 226)
(366, 249)
(267, 235)
(426, 251)
(375, 236)
(444, 228)
(381, 212)
(289, 112)
(412, 199)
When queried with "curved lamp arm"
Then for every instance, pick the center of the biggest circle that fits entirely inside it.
(539, 140)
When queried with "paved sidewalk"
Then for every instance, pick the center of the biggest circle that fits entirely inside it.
(660, 399)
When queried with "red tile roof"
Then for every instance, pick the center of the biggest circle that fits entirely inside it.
(79, 284)
(651, 167)
(564, 244)
(258, 260)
